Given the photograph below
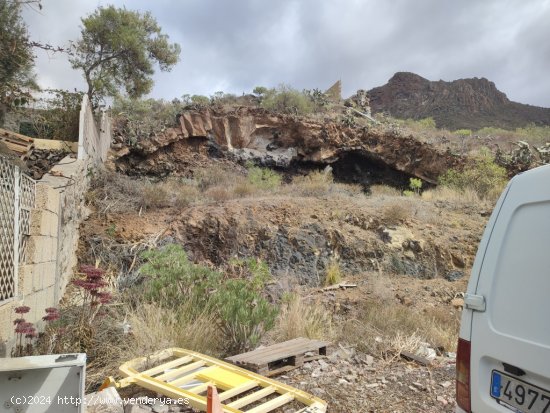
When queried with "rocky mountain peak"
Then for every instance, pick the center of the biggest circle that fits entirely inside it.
(464, 103)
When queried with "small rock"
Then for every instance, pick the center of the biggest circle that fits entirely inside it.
(160, 408)
(343, 381)
(105, 401)
(442, 400)
(323, 365)
(454, 275)
(457, 302)
(445, 384)
(372, 385)
(137, 408)
(317, 391)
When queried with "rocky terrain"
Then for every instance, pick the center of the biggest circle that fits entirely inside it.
(407, 258)
(464, 103)
(366, 155)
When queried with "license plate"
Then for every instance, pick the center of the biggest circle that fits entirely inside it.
(518, 395)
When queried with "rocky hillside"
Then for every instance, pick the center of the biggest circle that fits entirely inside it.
(463, 103)
(365, 155)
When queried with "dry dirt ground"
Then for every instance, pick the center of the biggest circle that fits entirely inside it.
(399, 251)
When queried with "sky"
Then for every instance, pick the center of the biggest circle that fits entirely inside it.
(235, 45)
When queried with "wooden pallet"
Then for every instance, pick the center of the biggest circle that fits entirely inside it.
(281, 357)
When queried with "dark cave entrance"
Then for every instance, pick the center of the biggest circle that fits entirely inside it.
(357, 168)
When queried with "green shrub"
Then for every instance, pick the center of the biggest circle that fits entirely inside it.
(264, 178)
(244, 314)
(172, 278)
(136, 119)
(285, 99)
(415, 184)
(463, 133)
(190, 290)
(485, 177)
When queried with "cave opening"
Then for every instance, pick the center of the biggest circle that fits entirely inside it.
(358, 168)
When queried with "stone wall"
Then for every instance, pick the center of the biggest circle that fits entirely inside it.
(50, 259)
(36, 276)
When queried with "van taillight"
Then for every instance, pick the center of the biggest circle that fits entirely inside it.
(463, 375)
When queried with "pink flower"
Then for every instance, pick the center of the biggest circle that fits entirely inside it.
(18, 321)
(52, 310)
(22, 309)
(24, 328)
(51, 317)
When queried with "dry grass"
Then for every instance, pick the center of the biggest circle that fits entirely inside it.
(316, 183)
(244, 189)
(298, 318)
(154, 328)
(384, 328)
(216, 176)
(218, 194)
(116, 193)
(333, 275)
(396, 213)
(384, 190)
(458, 197)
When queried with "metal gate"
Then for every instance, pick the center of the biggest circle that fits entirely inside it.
(17, 193)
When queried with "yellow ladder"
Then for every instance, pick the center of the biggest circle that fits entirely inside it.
(182, 374)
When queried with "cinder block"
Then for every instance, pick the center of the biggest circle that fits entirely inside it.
(7, 315)
(43, 222)
(26, 279)
(47, 198)
(38, 302)
(41, 249)
(48, 274)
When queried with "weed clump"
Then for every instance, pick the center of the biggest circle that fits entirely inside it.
(484, 177)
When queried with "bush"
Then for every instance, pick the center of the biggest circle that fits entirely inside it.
(285, 99)
(190, 290)
(171, 277)
(415, 184)
(485, 177)
(245, 315)
(395, 213)
(136, 119)
(60, 118)
(264, 178)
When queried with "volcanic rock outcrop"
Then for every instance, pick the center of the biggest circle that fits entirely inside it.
(283, 141)
(463, 103)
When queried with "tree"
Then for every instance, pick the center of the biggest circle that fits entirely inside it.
(118, 50)
(16, 58)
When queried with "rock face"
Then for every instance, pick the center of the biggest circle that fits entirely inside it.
(282, 141)
(464, 103)
(300, 237)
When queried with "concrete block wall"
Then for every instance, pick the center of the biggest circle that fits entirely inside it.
(52, 243)
(38, 273)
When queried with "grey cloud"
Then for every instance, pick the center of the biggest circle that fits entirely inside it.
(236, 45)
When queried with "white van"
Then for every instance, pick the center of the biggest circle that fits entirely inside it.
(503, 357)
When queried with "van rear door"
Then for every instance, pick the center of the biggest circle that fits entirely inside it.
(510, 340)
